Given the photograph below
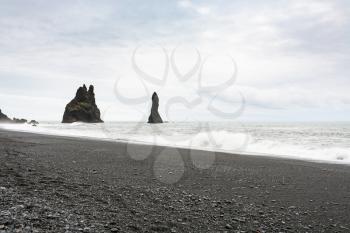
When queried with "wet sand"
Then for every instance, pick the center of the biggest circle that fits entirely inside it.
(62, 184)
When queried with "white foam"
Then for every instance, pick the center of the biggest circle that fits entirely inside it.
(304, 152)
(261, 141)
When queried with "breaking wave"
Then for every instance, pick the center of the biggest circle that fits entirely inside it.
(324, 143)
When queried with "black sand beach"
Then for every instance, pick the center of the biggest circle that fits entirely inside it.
(58, 184)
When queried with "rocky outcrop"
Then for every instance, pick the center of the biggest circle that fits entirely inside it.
(154, 117)
(4, 118)
(83, 107)
(33, 122)
(19, 121)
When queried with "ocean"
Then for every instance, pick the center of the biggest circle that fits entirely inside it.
(321, 142)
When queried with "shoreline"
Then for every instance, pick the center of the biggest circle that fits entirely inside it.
(59, 184)
(135, 142)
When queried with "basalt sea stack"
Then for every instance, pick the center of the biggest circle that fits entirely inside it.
(83, 107)
(154, 117)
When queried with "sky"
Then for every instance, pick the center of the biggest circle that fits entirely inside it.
(273, 60)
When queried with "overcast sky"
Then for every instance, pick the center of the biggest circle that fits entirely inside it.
(292, 58)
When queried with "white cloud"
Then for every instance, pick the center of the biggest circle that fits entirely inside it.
(200, 9)
(291, 53)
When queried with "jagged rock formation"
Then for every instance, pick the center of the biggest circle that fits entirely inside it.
(154, 117)
(19, 121)
(83, 107)
(33, 122)
(4, 118)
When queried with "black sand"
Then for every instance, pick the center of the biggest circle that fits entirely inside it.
(57, 184)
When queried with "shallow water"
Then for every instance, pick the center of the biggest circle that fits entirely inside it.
(327, 142)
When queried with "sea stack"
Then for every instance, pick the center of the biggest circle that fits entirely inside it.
(154, 117)
(83, 107)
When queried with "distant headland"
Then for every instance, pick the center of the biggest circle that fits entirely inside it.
(5, 119)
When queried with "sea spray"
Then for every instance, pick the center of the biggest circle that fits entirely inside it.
(326, 142)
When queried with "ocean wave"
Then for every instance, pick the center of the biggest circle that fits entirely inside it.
(224, 141)
(258, 141)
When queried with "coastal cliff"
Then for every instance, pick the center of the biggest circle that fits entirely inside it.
(4, 118)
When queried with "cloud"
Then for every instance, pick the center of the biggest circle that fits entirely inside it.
(200, 9)
(289, 53)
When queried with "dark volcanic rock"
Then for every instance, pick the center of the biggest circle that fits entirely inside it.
(154, 117)
(19, 121)
(4, 118)
(33, 122)
(83, 107)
